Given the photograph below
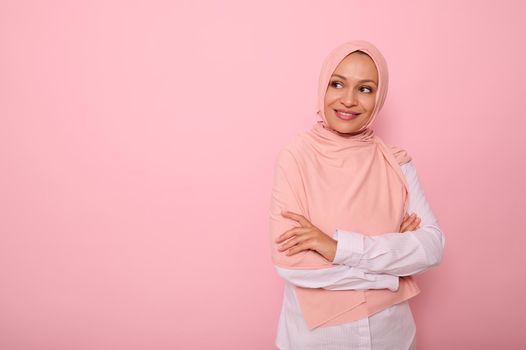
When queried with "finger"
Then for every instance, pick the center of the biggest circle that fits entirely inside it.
(412, 221)
(290, 233)
(405, 224)
(406, 221)
(287, 234)
(293, 241)
(297, 217)
(305, 245)
(414, 225)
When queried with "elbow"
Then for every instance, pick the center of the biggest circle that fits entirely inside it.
(438, 252)
(435, 260)
(281, 273)
(292, 276)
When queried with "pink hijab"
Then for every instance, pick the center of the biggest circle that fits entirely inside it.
(353, 183)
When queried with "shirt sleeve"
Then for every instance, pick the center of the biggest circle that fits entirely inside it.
(339, 277)
(395, 253)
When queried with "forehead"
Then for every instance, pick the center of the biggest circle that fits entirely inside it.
(357, 66)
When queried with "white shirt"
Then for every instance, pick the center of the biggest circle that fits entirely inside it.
(366, 262)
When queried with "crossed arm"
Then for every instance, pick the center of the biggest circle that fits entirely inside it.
(373, 262)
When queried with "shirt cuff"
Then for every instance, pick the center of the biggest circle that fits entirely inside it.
(349, 249)
(390, 282)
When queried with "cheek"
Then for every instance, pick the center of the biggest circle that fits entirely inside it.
(330, 98)
(370, 101)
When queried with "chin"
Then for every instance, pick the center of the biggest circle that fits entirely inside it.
(346, 128)
(346, 131)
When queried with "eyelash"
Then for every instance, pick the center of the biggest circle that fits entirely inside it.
(334, 83)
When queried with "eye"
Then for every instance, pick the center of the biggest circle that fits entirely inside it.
(367, 89)
(335, 84)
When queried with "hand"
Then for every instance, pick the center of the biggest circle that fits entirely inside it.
(410, 223)
(306, 237)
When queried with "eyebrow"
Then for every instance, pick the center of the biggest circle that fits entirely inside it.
(361, 81)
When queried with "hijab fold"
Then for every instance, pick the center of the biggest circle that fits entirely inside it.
(353, 183)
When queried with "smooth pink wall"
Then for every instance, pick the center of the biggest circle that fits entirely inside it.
(137, 144)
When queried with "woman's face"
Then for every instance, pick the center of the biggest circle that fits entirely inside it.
(351, 94)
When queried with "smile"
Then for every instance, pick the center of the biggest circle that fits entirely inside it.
(346, 115)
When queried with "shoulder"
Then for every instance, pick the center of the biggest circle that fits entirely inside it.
(287, 157)
(293, 149)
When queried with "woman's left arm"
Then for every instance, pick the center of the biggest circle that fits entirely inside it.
(395, 253)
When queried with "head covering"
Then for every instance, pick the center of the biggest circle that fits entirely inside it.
(332, 61)
(348, 182)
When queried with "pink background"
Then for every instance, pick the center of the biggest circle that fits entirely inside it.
(137, 143)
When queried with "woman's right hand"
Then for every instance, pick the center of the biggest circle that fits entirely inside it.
(410, 223)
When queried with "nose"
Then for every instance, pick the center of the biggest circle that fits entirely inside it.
(348, 98)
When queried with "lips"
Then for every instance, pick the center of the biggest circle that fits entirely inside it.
(346, 115)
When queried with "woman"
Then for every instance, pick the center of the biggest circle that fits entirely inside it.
(342, 236)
